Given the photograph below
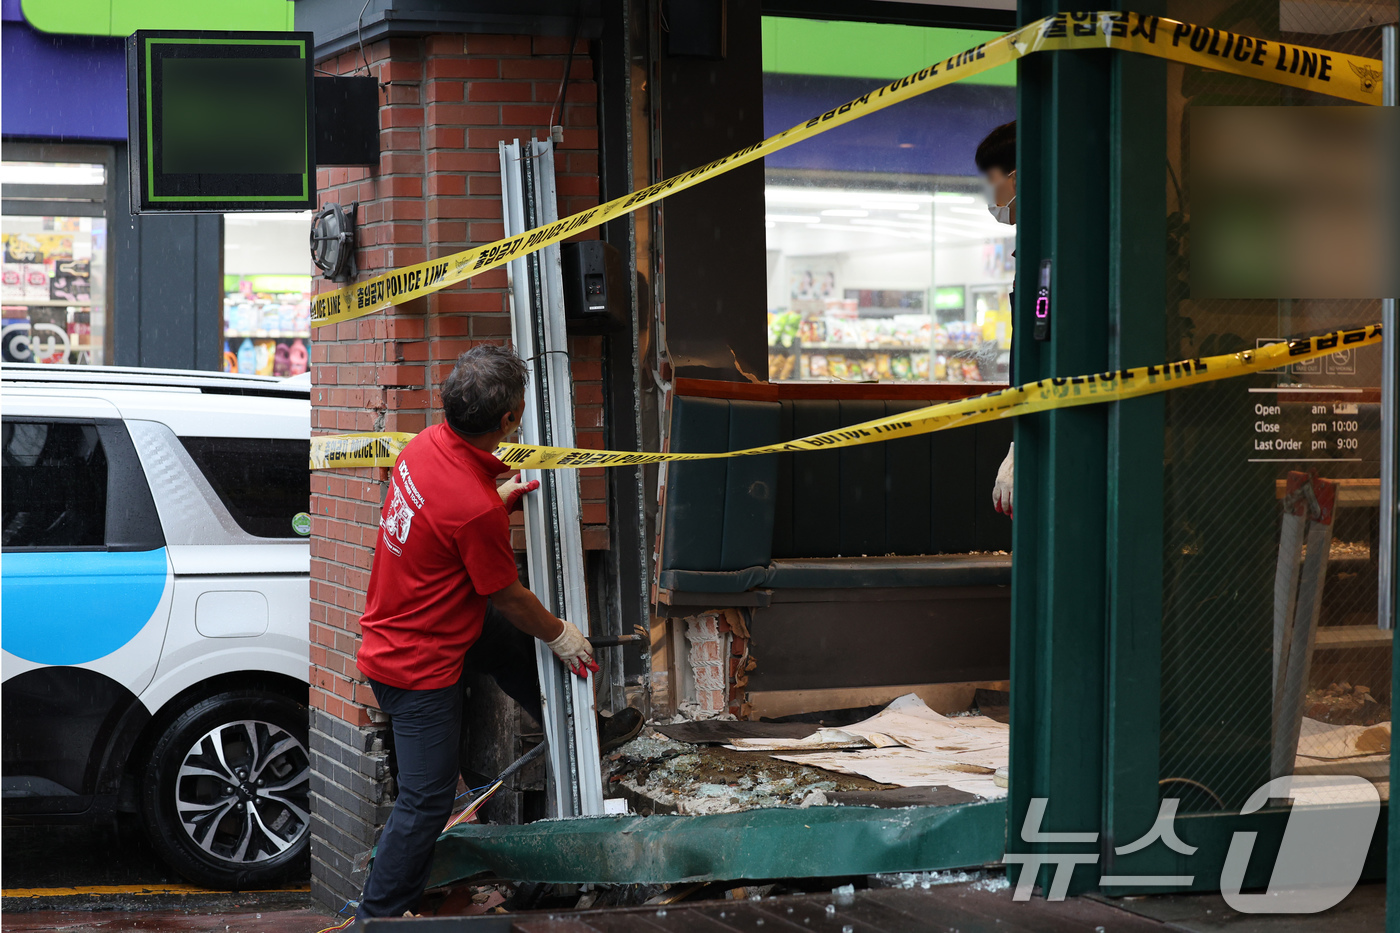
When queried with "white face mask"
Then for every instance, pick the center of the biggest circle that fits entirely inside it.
(1002, 212)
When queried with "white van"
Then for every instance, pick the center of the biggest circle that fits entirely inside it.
(154, 591)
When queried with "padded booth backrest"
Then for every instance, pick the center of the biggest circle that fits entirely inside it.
(929, 494)
(719, 513)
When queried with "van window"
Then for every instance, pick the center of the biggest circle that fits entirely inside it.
(54, 485)
(263, 482)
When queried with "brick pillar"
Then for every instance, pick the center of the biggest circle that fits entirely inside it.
(446, 102)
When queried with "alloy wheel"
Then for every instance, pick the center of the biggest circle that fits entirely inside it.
(243, 792)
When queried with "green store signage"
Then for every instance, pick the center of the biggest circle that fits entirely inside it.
(123, 17)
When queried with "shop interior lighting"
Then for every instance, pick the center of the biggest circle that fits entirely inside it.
(845, 212)
(923, 236)
(792, 218)
(837, 197)
(890, 206)
(52, 173)
(947, 197)
(893, 224)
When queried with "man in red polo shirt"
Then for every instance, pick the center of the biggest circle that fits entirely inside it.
(444, 595)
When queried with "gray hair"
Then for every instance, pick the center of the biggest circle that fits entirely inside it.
(487, 382)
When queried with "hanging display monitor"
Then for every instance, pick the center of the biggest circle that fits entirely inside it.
(221, 121)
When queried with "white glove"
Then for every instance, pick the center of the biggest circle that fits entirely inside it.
(1001, 492)
(574, 650)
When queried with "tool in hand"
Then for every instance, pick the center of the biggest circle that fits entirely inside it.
(639, 635)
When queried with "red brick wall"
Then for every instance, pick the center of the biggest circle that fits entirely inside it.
(450, 99)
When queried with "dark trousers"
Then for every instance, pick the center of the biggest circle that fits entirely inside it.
(427, 728)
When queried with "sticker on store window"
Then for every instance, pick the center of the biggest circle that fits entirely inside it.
(301, 523)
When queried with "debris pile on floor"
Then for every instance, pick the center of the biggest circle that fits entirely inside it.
(905, 745)
(908, 745)
(666, 776)
(1347, 704)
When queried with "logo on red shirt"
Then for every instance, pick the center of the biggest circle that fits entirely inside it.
(396, 521)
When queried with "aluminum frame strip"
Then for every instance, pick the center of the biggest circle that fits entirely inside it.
(553, 535)
(1390, 372)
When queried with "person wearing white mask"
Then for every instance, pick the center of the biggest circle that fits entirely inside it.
(996, 160)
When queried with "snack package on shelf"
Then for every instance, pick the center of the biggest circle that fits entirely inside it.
(900, 367)
(71, 281)
(812, 330)
(36, 281)
(13, 281)
(781, 365)
(782, 328)
(22, 248)
(913, 330)
(80, 330)
(815, 365)
(836, 367)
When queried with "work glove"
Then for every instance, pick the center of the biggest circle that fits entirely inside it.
(513, 490)
(574, 650)
(1001, 492)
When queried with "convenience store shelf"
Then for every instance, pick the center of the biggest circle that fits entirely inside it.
(857, 348)
(865, 348)
(45, 303)
(268, 334)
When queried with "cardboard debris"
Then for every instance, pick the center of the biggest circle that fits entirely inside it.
(1331, 742)
(906, 744)
(906, 767)
(907, 721)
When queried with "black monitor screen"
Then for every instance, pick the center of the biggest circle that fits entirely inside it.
(221, 121)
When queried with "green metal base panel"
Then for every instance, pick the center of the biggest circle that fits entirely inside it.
(769, 843)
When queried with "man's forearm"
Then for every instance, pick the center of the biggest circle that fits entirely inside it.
(525, 611)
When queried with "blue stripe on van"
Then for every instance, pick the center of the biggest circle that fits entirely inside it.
(71, 607)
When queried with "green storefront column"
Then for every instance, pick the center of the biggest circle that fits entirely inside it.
(1136, 449)
(1086, 597)
(1059, 542)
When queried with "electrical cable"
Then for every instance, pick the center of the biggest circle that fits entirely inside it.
(475, 805)
(473, 790)
(568, 69)
(360, 33)
(531, 359)
(495, 785)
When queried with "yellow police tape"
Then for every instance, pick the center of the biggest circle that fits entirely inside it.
(1337, 74)
(333, 451)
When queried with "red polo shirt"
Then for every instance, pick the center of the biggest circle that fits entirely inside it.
(444, 546)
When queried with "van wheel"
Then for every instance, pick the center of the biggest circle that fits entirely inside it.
(226, 796)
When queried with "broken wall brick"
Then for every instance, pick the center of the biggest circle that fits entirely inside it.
(720, 663)
(708, 654)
